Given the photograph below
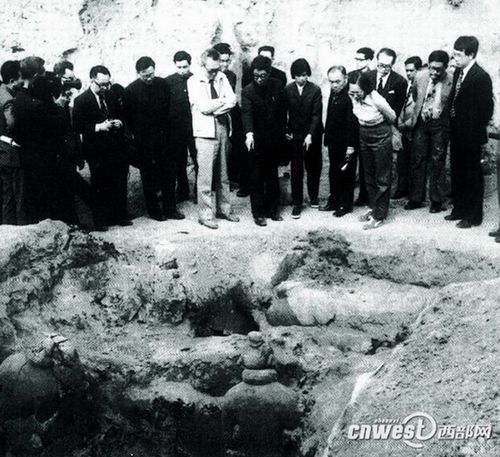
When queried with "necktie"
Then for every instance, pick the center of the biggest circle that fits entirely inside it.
(457, 90)
(213, 92)
(380, 86)
(104, 107)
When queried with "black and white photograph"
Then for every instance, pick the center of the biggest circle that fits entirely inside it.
(249, 228)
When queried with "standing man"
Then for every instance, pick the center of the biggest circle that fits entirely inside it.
(96, 116)
(180, 128)
(146, 103)
(363, 57)
(304, 130)
(342, 140)
(211, 99)
(264, 122)
(412, 67)
(471, 108)
(237, 163)
(431, 125)
(276, 73)
(11, 174)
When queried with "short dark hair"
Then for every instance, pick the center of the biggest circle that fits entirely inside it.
(143, 63)
(299, 67)
(11, 69)
(468, 44)
(340, 68)
(388, 51)
(261, 63)
(367, 52)
(179, 56)
(223, 48)
(439, 56)
(31, 66)
(415, 60)
(365, 83)
(98, 69)
(61, 67)
(209, 53)
(266, 48)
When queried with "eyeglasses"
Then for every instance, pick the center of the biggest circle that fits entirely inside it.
(260, 77)
(360, 59)
(101, 85)
(385, 66)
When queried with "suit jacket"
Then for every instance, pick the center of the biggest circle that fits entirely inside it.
(9, 155)
(473, 106)
(419, 90)
(394, 90)
(304, 111)
(86, 114)
(179, 111)
(341, 126)
(263, 111)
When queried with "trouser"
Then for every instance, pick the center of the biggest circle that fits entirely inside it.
(363, 192)
(81, 189)
(158, 184)
(498, 174)
(180, 146)
(342, 182)
(312, 161)
(467, 183)
(264, 182)
(11, 190)
(403, 165)
(376, 150)
(212, 173)
(428, 157)
(108, 182)
(238, 159)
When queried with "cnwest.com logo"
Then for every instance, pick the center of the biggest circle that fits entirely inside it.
(416, 429)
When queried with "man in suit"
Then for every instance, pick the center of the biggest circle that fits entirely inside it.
(264, 122)
(412, 67)
(471, 108)
(146, 103)
(96, 116)
(212, 98)
(11, 174)
(304, 130)
(180, 129)
(276, 73)
(430, 123)
(363, 57)
(342, 141)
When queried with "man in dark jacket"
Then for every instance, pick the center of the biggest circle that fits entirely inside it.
(180, 127)
(146, 104)
(304, 106)
(276, 73)
(342, 140)
(96, 116)
(264, 122)
(471, 108)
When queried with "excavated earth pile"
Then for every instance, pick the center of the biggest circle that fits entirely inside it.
(159, 330)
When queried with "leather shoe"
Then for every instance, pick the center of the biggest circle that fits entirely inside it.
(276, 217)
(242, 193)
(452, 217)
(228, 217)
(436, 208)
(261, 221)
(314, 203)
(296, 212)
(125, 222)
(465, 224)
(413, 205)
(208, 223)
(342, 212)
(327, 207)
(497, 239)
(158, 217)
(175, 215)
(361, 202)
(495, 233)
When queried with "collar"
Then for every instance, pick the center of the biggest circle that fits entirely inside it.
(202, 77)
(467, 68)
(384, 78)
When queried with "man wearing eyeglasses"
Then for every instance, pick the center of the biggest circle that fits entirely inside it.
(96, 116)
(263, 111)
(212, 98)
(146, 104)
